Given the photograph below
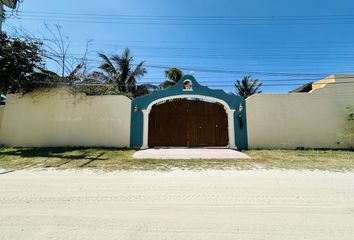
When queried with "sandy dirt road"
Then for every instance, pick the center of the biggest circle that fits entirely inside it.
(177, 205)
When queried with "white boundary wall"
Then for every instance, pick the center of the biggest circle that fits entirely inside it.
(58, 118)
(309, 120)
(2, 108)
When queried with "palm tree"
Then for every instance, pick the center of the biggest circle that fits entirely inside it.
(119, 70)
(173, 75)
(247, 87)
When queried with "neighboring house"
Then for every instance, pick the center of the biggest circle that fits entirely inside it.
(96, 76)
(307, 87)
(311, 86)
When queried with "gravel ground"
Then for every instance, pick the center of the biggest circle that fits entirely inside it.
(257, 204)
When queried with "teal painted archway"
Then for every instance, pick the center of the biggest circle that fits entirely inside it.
(188, 87)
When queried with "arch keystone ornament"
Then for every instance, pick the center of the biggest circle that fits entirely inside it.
(189, 115)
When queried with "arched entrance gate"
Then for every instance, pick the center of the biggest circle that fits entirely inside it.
(188, 115)
(188, 122)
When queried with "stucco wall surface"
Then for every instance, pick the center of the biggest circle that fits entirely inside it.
(2, 108)
(309, 120)
(58, 118)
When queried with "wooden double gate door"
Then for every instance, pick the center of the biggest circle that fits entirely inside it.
(188, 123)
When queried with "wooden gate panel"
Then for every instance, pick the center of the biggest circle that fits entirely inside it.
(167, 126)
(201, 124)
(221, 136)
(188, 123)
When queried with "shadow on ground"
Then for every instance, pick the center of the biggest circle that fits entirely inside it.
(67, 155)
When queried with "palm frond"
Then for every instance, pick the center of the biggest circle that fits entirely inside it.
(107, 65)
(126, 55)
(167, 84)
(139, 70)
(174, 74)
(247, 87)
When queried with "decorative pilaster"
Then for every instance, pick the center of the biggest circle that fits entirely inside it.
(231, 128)
(145, 129)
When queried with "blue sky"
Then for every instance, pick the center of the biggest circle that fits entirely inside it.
(273, 40)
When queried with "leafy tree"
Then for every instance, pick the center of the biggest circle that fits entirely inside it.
(119, 70)
(20, 64)
(92, 87)
(57, 50)
(173, 75)
(70, 79)
(247, 87)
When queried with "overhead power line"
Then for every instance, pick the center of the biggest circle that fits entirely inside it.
(189, 17)
(292, 43)
(46, 19)
(102, 18)
(238, 71)
(213, 79)
(154, 83)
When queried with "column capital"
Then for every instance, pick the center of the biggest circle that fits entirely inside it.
(145, 111)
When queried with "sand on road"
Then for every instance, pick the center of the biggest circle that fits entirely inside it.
(204, 205)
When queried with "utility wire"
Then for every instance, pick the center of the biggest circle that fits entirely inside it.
(182, 23)
(144, 83)
(119, 16)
